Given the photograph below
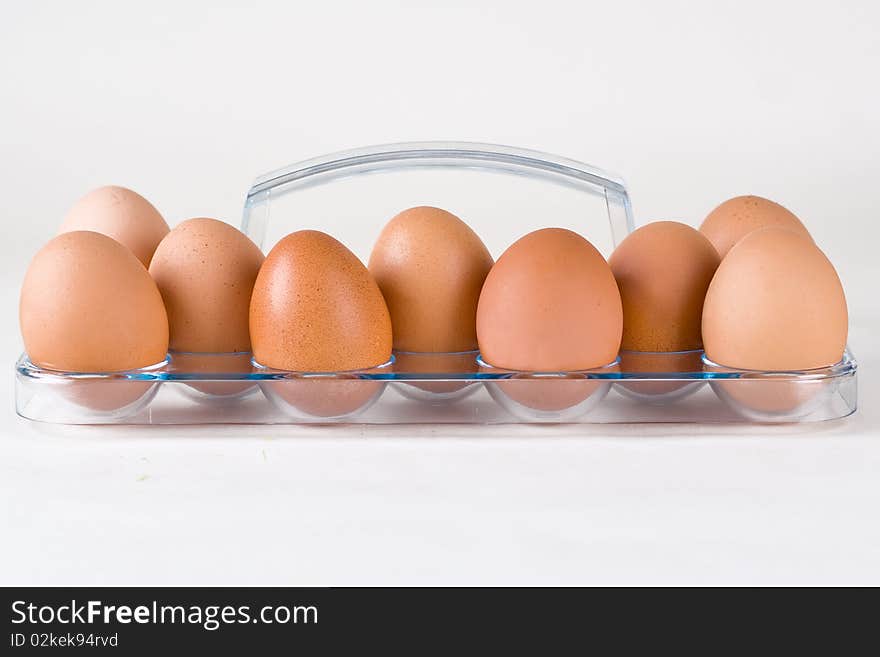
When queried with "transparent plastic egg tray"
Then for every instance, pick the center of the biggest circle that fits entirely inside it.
(502, 193)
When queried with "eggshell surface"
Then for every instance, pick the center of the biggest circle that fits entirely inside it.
(737, 217)
(316, 308)
(88, 305)
(122, 214)
(550, 303)
(775, 303)
(430, 267)
(663, 270)
(205, 270)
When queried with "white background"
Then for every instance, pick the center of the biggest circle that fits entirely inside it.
(691, 102)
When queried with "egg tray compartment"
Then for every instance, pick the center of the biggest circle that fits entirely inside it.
(223, 388)
(436, 388)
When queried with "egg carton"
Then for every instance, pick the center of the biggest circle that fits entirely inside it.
(502, 193)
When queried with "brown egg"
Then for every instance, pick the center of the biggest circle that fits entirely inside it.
(205, 270)
(88, 305)
(737, 217)
(316, 308)
(550, 304)
(775, 303)
(430, 267)
(122, 214)
(663, 270)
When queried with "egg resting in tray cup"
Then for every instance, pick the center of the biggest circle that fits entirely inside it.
(319, 321)
(662, 270)
(205, 270)
(775, 308)
(549, 313)
(430, 266)
(89, 307)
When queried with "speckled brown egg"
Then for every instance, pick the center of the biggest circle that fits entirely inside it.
(122, 214)
(430, 267)
(550, 304)
(316, 308)
(775, 303)
(205, 270)
(88, 305)
(663, 270)
(737, 217)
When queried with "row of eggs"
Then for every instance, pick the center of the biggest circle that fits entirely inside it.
(115, 290)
